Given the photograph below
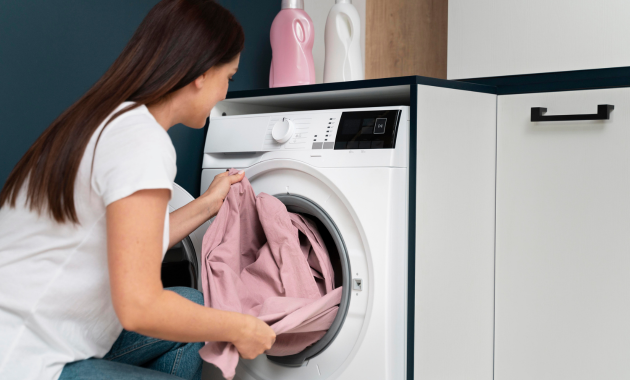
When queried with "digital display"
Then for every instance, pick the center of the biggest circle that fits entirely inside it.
(367, 130)
(351, 126)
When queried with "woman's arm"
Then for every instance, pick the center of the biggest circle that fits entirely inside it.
(188, 218)
(135, 226)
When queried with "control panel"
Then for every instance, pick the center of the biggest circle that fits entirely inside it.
(367, 130)
(301, 131)
(306, 130)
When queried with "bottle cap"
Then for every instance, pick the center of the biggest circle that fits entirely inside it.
(292, 4)
(343, 1)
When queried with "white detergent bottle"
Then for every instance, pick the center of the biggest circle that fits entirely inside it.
(343, 60)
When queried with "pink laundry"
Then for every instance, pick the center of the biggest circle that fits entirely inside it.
(260, 259)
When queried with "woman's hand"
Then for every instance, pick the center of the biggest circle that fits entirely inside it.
(186, 219)
(219, 188)
(256, 337)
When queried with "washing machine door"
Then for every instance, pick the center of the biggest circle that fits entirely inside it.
(306, 190)
(182, 262)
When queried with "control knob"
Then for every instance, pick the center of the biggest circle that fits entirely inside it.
(283, 130)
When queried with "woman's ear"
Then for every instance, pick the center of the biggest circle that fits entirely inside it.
(200, 81)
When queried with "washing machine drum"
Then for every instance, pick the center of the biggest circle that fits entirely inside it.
(181, 264)
(179, 267)
(341, 265)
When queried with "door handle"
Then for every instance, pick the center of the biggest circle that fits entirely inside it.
(603, 113)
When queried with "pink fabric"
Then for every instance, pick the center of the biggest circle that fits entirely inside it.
(259, 259)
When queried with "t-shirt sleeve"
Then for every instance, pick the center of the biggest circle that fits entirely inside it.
(132, 156)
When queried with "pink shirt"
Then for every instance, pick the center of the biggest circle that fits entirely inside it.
(260, 259)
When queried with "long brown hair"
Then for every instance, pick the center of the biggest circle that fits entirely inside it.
(178, 41)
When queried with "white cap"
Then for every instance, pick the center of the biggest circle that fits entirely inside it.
(343, 1)
(292, 4)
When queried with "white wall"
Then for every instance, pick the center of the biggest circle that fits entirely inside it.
(489, 38)
(318, 11)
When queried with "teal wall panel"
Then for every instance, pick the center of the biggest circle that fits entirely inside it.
(52, 51)
(256, 18)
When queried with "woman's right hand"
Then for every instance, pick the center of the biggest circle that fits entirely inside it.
(219, 188)
(256, 337)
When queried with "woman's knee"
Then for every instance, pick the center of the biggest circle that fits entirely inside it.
(192, 294)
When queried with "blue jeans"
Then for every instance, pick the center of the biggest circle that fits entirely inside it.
(138, 357)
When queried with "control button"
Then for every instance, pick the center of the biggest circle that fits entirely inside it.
(364, 144)
(283, 130)
(379, 127)
(329, 145)
(353, 145)
(317, 145)
(340, 145)
(378, 144)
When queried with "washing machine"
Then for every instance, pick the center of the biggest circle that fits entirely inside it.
(181, 265)
(348, 170)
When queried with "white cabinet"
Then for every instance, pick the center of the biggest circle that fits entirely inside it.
(454, 297)
(488, 38)
(562, 303)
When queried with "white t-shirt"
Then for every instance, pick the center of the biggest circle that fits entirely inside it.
(55, 301)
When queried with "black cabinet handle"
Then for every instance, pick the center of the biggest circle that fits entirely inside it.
(603, 113)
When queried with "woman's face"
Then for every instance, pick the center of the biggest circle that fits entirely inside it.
(211, 88)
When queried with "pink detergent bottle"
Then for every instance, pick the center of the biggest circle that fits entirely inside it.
(292, 39)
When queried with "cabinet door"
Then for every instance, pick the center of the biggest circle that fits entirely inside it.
(488, 38)
(562, 303)
(455, 207)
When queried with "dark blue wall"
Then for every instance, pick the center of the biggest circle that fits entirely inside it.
(256, 17)
(52, 51)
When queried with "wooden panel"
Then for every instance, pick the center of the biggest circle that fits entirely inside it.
(406, 37)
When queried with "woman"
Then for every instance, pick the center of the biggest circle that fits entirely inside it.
(84, 218)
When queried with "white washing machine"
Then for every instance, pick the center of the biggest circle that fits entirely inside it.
(182, 262)
(348, 169)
